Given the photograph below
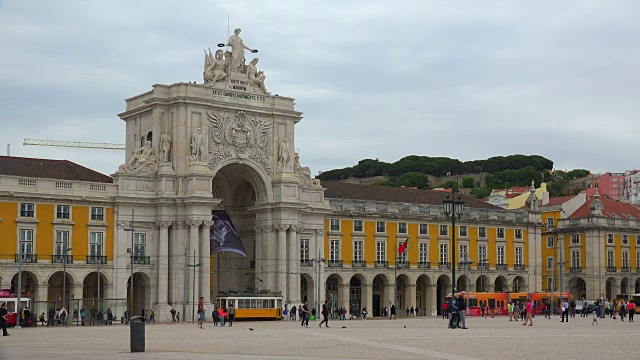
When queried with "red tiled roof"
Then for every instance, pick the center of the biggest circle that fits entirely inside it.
(559, 200)
(518, 189)
(612, 209)
(49, 169)
(342, 190)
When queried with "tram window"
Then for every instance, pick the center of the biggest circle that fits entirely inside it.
(473, 302)
(492, 302)
(223, 303)
(265, 304)
(272, 304)
(11, 306)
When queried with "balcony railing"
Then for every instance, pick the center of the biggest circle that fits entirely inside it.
(306, 262)
(424, 264)
(519, 267)
(483, 266)
(444, 265)
(334, 263)
(27, 258)
(96, 259)
(61, 259)
(141, 260)
(464, 265)
(575, 269)
(625, 268)
(402, 264)
(501, 266)
(381, 264)
(358, 264)
(611, 269)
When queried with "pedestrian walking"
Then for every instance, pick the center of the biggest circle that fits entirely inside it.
(412, 311)
(292, 313)
(83, 314)
(462, 309)
(304, 315)
(173, 314)
(393, 312)
(445, 310)
(223, 316)
(565, 311)
(109, 317)
(63, 316)
(325, 315)
(3, 319)
(492, 309)
(482, 309)
(201, 314)
(215, 316)
(529, 311)
(632, 310)
(596, 314)
(453, 309)
(51, 316)
(623, 310)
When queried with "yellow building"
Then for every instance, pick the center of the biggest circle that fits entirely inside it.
(589, 246)
(370, 223)
(46, 208)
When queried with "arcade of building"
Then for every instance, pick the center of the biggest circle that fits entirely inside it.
(193, 148)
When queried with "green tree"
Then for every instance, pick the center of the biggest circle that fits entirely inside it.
(468, 182)
(450, 185)
(419, 180)
(480, 193)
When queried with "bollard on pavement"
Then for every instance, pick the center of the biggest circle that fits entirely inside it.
(137, 334)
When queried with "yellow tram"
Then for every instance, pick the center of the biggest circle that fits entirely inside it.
(253, 306)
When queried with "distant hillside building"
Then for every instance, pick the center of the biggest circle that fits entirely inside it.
(612, 185)
(515, 197)
(632, 186)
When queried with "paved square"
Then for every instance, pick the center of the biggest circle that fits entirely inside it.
(422, 338)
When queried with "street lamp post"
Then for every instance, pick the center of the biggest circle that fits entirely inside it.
(130, 251)
(19, 280)
(319, 261)
(453, 209)
(64, 278)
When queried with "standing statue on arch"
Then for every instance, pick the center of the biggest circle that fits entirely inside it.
(237, 51)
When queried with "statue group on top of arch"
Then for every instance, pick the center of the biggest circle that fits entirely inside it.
(229, 66)
(142, 161)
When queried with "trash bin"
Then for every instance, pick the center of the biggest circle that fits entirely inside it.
(137, 335)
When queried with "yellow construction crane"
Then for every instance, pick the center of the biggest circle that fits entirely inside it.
(74, 144)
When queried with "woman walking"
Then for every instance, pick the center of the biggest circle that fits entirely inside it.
(529, 310)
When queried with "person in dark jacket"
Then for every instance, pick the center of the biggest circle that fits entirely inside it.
(462, 308)
(325, 315)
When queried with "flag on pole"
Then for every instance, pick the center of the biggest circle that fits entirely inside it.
(403, 246)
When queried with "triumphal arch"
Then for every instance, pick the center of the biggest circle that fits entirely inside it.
(211, 179)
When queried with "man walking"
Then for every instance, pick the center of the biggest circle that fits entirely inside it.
(3, 319)
(304, 315)
(565, 311)
(462, 308)
(232, 314)
(201, 315)
(325, 315)
(392, 313)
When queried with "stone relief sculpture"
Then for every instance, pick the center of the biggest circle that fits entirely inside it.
(197, 146)
(237, 50)
(215, 67)
(304, 173)
(241, 135)
(283, 154)
(256, 77)
(142, 160)
(165, 146)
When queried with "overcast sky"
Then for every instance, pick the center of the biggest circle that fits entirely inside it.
(374, 79)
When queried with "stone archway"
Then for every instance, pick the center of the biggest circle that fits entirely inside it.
(93, 294)
(624, 286)
(334, 287)
(56, 288)
(403, 294)
(443, 288)
(29, 283)
(381, 296)
(611, 288)
(483, 284)
(307, 289)
(637, 286)
(141, 294)
(501, 284)
(425, 296)
(519, 284)
(578, 288)
(356, 295)
(461, 284)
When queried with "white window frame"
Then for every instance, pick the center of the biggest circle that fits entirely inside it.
(358, 251)
(553, 241)
(518, 255)
(62, 241)
(424, 227)
(575, 239)
(334, 250)
(482, 231)
(625, 258)
(552, 259)
(625, 239)
(26, 208)
(482, 254)
(464, 250)
(611, 258)
(304, 250)
(381, 251)
(26, 241)
(140, 244)
(403, 228)
(551, 222)
(637, 259)
(334, 225)
(60, 210)
(381, 225)
(610, 239)
(94, 236)
(500, 233)
(355, 222)
(500, 255)
(444, 253)
(518, 234)
(575, 259)
(96, 215)
(446, 230)
(423, 252)
(466, 231)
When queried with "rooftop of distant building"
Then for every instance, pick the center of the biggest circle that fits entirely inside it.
(49, 169)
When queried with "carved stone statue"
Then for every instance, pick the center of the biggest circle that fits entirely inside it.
(304, 173)
(165, 146)
(241, 132)
(283, 154)
(215, 67)
(197, 146)
(238, 47)
(140, 159)
(255, 76)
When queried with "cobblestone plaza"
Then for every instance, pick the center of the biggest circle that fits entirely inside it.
(413, 338)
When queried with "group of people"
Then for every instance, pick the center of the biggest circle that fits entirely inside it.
(222, 315)
(456, 309)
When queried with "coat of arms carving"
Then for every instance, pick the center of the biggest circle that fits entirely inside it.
(242, 136)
